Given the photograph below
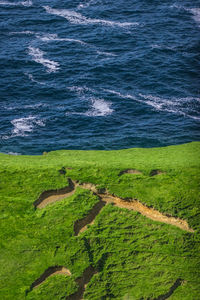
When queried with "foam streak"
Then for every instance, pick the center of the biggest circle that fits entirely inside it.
(38, 56)
(76, 18)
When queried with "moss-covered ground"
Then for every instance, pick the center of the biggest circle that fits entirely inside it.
(134, 257)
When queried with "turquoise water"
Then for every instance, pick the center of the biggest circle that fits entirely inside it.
(98, 74)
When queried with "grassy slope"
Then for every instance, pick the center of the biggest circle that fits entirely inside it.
(136, 258)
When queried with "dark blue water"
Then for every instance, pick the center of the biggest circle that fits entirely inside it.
(98, 74)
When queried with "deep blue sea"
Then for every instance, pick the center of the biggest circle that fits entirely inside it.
(98, 74)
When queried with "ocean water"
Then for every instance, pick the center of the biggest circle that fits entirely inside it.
(98, 74)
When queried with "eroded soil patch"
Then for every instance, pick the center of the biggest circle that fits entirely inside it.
(81, 225)
(82, 283)
(146, 211)
(132, 204)
(52, 196)
(50, 272)
(156, 172)
(130, 171)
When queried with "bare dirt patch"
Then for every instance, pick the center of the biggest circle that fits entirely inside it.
(156, 172)
(130, 171)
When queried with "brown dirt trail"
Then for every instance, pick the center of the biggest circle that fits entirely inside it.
(50, 272)
(146, 211)
(131, 204)
(81, 225)
(82, 283)
(52, 196)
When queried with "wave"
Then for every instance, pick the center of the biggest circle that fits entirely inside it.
(181, 106)
(30, 76)
(38, 56)
(99, 108)
(163, 47)
(27, 106)
(80, 89)
(194, 11)
(105, 53)
(14, 153)
(87, 3)
(26, 32)
(49, 37)
(196, 14)
(27, 3)
(54, 37)
(84, 5)
(76, 18)
(127, 96)
(23, 126)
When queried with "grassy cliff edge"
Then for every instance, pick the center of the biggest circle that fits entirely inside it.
(122, 253)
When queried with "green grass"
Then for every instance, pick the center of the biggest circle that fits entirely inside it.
(135, 257)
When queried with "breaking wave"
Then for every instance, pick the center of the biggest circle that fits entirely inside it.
(27, 3)
(196, 14)
(25, 32)
(30, 76)
(182, 106)
(23, 126)
(38, 56)
(99, 108)
(77, 18)
(49, 37)
(194, 11)
(85, 4)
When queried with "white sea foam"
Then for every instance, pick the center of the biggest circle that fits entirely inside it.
(26, 106)
(49, 37)
(20, 3)
(181, 106)
(124, 96)
(80, 89)
(38, 56)
(106, 53)
(26, 32)
(30, 76)
(196, 14)
(22, 126)
(77, 18)
(99, 108)
(194, 11)
(14, 153)
(176, 6)
(163, 47)
(83, 5)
